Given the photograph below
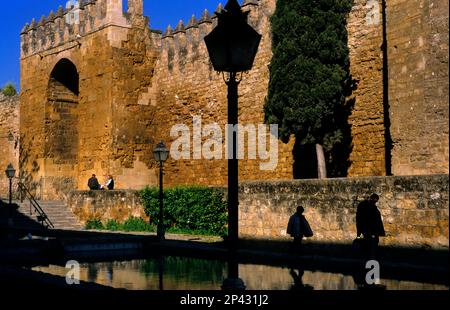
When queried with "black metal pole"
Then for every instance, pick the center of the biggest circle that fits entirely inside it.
(233, 169)
(10, 190)
(10, 203)
(160, 232)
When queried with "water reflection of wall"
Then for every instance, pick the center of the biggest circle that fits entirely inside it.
(196, 274)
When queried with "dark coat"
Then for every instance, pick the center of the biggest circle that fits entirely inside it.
(93, 184)
(368, 219)
(298, 226)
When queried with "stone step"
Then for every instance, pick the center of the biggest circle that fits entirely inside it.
(57, 212)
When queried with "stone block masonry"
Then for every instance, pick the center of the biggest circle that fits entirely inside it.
(9, 139)
(417, 33)
(106, 205)
(414, 209)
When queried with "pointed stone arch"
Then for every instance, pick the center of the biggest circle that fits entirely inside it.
(61, 125)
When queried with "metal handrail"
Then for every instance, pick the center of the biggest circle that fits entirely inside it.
(42, 217)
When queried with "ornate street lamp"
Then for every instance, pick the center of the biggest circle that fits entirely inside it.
(161, 153)
(232, 48)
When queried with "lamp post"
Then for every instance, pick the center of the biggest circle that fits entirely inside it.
(161, 153)
(10, 173)
(232, 48)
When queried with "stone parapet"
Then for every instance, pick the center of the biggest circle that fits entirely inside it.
(106, 205)
(414, 208)
(77, 20)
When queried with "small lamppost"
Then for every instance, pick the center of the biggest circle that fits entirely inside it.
(232, 48)
(161, 153)
(10, 173)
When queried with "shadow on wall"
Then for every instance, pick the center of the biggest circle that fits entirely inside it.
(25, 161)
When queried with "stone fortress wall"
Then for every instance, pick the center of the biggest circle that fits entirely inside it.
(129, 85)
(417, 39)
(81, 111)
(9, 139)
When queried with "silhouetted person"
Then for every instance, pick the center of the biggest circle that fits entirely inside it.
(369, 224)
(298, 282)
(298, 227)
(93, 183)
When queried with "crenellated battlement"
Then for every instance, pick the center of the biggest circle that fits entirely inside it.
(183, 42)
(77, 20)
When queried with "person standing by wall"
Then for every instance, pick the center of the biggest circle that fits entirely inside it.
(298, 227)
(369, 224)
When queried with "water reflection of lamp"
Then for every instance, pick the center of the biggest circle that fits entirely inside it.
(233, 282)
(161, 272)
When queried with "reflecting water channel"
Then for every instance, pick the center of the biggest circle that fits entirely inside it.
(183, 273)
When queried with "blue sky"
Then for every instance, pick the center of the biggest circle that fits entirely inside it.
(14, 17)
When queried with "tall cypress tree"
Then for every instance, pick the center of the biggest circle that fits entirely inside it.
(308, 72)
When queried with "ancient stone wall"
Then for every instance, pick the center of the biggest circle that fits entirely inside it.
(188, 87)
(364, 28)
(134, 84)
(106, 205)
(417, 34)
(9, 139)
(103, 128)
(414, 209)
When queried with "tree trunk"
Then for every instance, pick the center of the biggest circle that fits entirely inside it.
(321, 165)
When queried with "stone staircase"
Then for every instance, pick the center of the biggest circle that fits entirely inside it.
(59, 214)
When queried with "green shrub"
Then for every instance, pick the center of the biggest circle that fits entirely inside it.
(137, 224)
(131, 224)
(94, 224)
(112, 225)
(9, 90)
(196, 209)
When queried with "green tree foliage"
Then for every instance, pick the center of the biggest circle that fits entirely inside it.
(196, 209)
(9, 90)
(309, 70)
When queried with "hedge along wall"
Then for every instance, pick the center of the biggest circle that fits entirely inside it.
(414, 208)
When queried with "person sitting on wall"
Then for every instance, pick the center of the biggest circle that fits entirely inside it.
(93, 183)
(109, 185)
